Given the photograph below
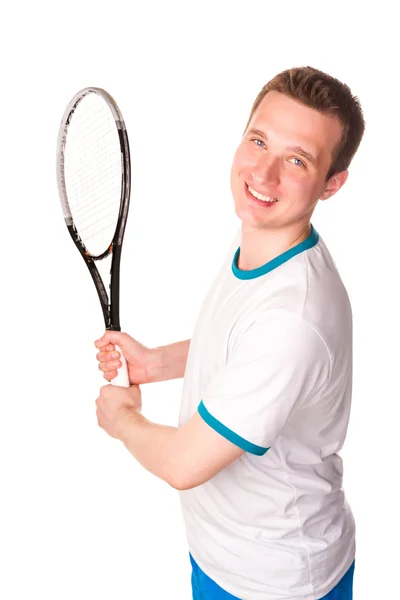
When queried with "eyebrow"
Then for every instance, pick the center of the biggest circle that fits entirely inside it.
(296, 149)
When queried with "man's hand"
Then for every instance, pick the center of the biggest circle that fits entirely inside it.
(115, 406)
(141, 361)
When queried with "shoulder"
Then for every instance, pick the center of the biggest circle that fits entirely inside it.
(283, 333)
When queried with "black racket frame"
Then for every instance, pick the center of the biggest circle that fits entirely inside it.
(110, 303)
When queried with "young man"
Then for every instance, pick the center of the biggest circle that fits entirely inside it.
(268, 371)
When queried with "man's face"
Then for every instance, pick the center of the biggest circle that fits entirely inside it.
(270, 162)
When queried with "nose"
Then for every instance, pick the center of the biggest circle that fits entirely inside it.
(266, 170)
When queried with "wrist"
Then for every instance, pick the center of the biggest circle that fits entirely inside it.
(168, 362)
(127, 419)
(156, 364)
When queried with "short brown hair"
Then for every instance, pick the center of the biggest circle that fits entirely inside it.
(328, 95)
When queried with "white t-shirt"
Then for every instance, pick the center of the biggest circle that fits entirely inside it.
(270, 369)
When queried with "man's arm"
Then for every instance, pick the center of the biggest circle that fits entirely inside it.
(168, 362)
(184, 457)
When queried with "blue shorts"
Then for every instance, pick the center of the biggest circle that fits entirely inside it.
(205, 588)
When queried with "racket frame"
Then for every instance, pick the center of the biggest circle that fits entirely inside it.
(109, 302)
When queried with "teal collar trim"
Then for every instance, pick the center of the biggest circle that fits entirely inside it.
(308, 243)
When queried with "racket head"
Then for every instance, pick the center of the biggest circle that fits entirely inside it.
(93, 171)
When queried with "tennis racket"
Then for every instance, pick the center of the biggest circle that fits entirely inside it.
(94, 178)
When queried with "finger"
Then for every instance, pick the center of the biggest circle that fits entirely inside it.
(103, 356)
(109, 366)
(104, 344)
(109, 376)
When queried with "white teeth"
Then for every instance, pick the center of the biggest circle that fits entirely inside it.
(260, 196)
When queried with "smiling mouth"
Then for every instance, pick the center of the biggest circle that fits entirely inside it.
(259, 196)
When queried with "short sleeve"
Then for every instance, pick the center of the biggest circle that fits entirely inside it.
(277, 366)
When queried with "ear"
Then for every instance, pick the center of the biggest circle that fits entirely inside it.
(334, 184)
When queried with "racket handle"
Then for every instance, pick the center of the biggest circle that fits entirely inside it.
(122, 377)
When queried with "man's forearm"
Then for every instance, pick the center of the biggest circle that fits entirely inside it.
(154, 446)
(169, 362)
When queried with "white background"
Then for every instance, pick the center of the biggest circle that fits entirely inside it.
(79, 517)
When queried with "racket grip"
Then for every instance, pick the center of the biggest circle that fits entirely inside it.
(122, 377)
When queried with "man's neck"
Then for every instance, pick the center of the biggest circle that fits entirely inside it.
(259, 246)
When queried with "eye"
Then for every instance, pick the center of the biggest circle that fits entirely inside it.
(259, 142)
(300, 161)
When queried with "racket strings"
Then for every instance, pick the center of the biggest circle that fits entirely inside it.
(102, 198)
(93, 172)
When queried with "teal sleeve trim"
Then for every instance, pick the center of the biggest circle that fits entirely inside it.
(228, 433)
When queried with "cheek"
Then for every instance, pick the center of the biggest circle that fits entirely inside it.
(296, 180)
(235, 168)
(302, 191)
(241, 166)
(243, 159)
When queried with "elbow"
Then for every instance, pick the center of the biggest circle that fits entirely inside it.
(179, 484)
(179, 481)
(187, 481)
(182, 486)
(177, 474)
